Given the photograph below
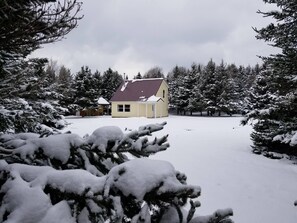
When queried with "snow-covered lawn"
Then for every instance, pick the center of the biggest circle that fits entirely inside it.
(215, 154)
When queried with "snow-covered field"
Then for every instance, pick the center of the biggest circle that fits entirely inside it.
(215, 154)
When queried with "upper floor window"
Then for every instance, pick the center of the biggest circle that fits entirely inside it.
(163, 93)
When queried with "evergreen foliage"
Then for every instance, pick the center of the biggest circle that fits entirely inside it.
(138, 76)
(177, 97)
(111, 80)
(29, 99)
(85, 94)
(65, 178)
(155, 72)
(275, 91)
(214, 89)
(25, 25)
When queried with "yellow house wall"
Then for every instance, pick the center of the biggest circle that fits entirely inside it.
(144, 110)
(163, 104)
(136, 110)
(133, 109)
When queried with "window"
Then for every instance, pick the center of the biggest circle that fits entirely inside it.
(163, 93)
(127, 108)
(120, 108)
(123, 108)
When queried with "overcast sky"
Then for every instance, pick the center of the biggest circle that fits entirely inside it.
(131, 36)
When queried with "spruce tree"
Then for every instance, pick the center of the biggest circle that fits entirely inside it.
(226, 102)
(276, 127)
(209, 87)
(66, 178)
(26, 25)
(178, 94)
(97, 83)
(192, 84)
(85, 95)
(155, 72)
(111, 80)
(138, 76)
(64, 86)
(28, 99)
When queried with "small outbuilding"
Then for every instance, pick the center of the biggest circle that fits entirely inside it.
(141, 98)
(102, 109)
(103, 106)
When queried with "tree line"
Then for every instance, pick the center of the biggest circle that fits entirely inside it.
(213, 89)
(83, 89)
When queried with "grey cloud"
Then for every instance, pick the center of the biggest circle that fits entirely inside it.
(133, 35)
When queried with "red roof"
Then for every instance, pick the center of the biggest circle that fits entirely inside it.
(135, 90)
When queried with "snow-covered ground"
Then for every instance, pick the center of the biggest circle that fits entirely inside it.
(215, 154)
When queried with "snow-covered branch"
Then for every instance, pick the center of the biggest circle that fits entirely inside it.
(64, 177)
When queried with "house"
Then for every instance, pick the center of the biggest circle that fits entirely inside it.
(141, 98)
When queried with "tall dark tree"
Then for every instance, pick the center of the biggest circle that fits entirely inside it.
(27, 97)
(209, 87)
(97, 83)
(27, 24)
(138, 76)
(29, 100)
(226, 101)
(64, 76)
(85, 94)
(155, 72)
(111, 80)
(276, 128)
(177, 92)
(51, 71)
(191, 83)
(64, 86)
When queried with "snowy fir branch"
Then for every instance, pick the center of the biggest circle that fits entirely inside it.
(66, 178)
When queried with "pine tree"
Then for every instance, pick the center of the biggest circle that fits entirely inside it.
(28, 99)
(111, 80)
(26, 25)
(138, 76)
(178, 94)
(226, 102)
(51, 71)
(64, 76)
(192, 84)
(97, 83)
(64, 86)
(277, 121)
(209, 87)
(66, 178)
(155, 72)
(85, 94)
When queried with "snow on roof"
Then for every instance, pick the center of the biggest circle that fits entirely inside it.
(144, 79)
(102, 101)
(133, 90)
(124, 86)
(153, 98)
